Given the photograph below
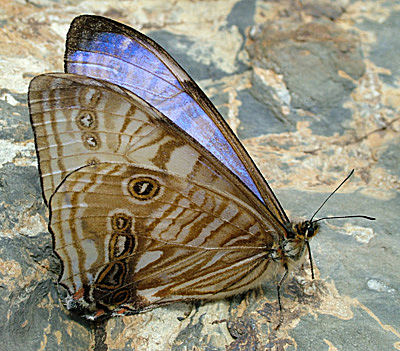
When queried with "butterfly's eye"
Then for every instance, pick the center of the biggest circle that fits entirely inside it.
(312, 229)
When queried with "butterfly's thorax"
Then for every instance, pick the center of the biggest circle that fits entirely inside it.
(290, 250)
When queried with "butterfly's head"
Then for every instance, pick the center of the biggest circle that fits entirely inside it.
(302, 231)
(306, 229)
(293, 247)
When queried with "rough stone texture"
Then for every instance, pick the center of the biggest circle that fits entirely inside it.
(312, 89)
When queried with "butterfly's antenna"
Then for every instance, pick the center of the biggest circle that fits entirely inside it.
(352, 216)
(344, 181)
(332, 217)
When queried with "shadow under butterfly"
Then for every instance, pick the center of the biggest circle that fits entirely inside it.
(152, 198)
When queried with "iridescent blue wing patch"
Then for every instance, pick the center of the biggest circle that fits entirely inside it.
(101, 48)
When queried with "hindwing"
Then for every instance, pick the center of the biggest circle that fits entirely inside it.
(154, 237)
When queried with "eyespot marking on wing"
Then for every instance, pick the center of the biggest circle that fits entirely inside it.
(112, 276)
(123, 241)
(143, 188)
(91, 141)
(86, 120)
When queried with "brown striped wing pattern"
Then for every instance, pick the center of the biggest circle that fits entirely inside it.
(141, 214)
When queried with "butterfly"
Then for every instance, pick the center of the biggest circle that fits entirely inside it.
(152, 198)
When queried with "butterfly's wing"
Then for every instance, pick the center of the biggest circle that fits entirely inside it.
(140, 212)
(132, 247)
(78, 121)
(101, 48)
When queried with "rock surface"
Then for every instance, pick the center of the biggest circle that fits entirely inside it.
(312, 89)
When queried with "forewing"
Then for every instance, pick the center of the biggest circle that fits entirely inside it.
(101, 48)
(79, 121)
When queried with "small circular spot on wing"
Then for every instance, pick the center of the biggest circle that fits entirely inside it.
(121, 222)
(86, 120)
(91, 141)
(92, 161)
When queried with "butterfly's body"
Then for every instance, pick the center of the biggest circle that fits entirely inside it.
(152, 198)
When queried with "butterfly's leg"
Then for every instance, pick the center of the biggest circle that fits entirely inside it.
(278, 287)
(193, 306)
(278, 290)
(310, 259)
